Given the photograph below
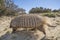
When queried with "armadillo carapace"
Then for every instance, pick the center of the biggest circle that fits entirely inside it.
(28, 21)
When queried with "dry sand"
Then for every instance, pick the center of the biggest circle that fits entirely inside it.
(6, 32)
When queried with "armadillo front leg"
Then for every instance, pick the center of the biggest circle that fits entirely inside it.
(45, 27)
(42, 29)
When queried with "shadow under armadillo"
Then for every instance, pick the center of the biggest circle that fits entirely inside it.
(23, 35)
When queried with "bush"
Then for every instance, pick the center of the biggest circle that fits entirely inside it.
(49, 14)
(58, 14)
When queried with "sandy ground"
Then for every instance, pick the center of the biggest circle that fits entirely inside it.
(6, 32)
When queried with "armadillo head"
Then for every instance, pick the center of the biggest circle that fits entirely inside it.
(48, 22)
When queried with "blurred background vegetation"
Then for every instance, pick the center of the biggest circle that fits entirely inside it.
(43, 10)
(8, 8)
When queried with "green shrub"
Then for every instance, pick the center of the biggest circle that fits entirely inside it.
(49, 14)
(58, 14)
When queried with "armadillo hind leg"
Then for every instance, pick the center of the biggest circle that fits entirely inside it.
(14, 30)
